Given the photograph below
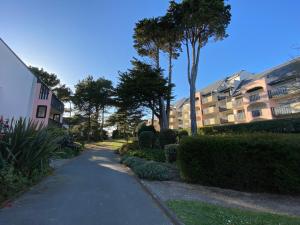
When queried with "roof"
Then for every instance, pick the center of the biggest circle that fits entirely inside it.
(180, 103)
(284, 69)
(210, 88)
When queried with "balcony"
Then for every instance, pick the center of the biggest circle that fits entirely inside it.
(254, 98)
(57, 105)
(238, 102)
(282, 110)
(211, 121)
(225, 108)
(209, 110)
(278, 92)
(209, 99)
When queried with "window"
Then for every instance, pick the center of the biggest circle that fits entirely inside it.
(44, 92)
(256, 113)
(56, 117)
(41, 111)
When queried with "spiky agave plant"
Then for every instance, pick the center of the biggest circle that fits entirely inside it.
(28, 146)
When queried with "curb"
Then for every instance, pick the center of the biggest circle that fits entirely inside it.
(174, 219)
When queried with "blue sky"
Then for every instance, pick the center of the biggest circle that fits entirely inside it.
(78, 38)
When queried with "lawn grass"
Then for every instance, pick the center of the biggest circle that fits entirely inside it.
(111, 144)
(199, 213)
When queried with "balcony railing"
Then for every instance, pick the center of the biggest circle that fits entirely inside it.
(278, 92)
(254, 98)
(209, 99)
(238, 102)
(57, 104)
(209, 110)
(282, 110)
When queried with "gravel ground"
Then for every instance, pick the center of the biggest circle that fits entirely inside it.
(173, 190)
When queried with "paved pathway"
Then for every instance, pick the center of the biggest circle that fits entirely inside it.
(92, 189)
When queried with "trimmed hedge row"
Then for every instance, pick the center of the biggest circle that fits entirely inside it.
(291, 125)
(253, 162)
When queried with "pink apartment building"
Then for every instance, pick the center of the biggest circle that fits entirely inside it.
(22, 94)
(244, 97)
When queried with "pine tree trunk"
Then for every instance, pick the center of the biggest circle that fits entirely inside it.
(168, 107)
(193, 109)
(162, 110)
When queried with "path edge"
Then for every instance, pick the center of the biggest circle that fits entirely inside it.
(160, 203)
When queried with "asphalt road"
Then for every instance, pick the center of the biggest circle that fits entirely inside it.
(92, 189)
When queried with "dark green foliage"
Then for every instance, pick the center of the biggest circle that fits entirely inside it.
(28, 146)
(25, 150)
(132, 161)
(182, 133)
(146, 139)
(128, 147)
(171, 152)
(166, 137)
(116, 134)
(143, 127)
(153, 171)
(275, 126)
(148, 154)
(252, 162)
(11, 182)
(149, 169)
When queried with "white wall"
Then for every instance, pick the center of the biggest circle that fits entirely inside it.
(17, 85)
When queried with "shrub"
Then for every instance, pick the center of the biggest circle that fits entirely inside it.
(291, 125)
(128, 147)
(146, 139)
(153, 171)
(167, 137)
(143, 127)
(182, 133)
(253, 162)
(11, 182)
(132, 161)
(149, 154)
(28, 146)
(171, 152)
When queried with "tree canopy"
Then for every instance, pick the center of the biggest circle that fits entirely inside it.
(198, 21)
(142, 87)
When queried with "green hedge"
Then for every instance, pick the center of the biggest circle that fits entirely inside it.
(166, 137)
(253, 162)
(146, 139)
(291, 125)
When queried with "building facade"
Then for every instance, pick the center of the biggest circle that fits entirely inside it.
(244, 97)
(22, 94)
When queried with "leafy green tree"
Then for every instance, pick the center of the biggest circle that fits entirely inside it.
(92, 97)
(199, 21)
(125, 120)
(103, 93)
(50, 79)
(142, 87)
(83, 100)
(63, 92)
